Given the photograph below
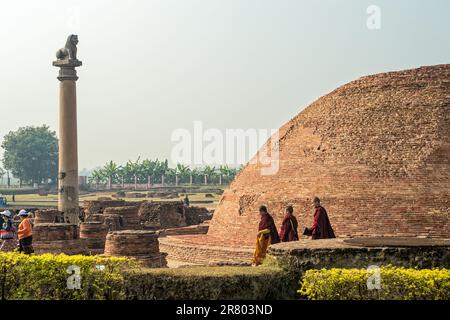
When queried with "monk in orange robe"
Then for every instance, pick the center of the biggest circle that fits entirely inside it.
(267, 235)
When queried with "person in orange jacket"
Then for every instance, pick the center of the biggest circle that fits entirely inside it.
(25, 233)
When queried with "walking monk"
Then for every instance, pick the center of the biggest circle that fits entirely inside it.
(289, 226)
(321, 228)
(267, 235)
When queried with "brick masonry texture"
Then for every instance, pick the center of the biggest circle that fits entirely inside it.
(46, 216)
(375, 150)
(94, 234)
(139, 244)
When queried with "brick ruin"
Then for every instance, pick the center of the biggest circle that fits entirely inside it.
(163, 215)
(119, 222)
(94, 233)
(58, 238)
(375, 150)
(139, 244)
(98, 206)
(129, 218)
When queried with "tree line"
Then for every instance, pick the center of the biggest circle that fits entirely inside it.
(159, 172)
(31, 155)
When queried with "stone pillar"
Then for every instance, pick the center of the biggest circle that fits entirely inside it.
(68, 153)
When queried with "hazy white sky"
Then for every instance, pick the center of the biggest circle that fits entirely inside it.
(153, 66)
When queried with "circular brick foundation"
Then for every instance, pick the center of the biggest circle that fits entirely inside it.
(94, 234)
(139, 244)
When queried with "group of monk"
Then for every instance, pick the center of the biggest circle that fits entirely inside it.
(268, 234)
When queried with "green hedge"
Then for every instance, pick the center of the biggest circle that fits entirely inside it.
(210, 283)
(395, 284)
(45, 277)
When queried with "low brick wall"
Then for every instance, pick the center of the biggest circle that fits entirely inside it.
(197, 229)
(302, 255)
(195, 250)
(55, 231)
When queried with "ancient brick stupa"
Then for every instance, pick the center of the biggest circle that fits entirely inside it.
(377, 153)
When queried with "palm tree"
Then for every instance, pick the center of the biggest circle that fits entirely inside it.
(97, 176)
(182, 171)
(225, 172)
(131, 170)
(148, 168)
(209, 173)
(110, 170)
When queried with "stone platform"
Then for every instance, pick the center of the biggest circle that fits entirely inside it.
(362, 252)
(309, 254)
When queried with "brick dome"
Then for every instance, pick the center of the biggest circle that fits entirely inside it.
(377, 153)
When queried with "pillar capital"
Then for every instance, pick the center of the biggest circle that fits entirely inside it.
(67, 59)
(67, 69)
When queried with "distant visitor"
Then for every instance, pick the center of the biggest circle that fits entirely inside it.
(289, 226)
(7, 228)
(267, 235)
(321, 228)
(25, 233)
(186, 200)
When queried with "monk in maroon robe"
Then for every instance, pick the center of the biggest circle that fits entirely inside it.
(289, 226)
(321, 228)
(267, 235)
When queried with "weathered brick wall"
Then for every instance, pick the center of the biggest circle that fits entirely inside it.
(192, 249)
(130, 218)
(46, 216)
(97, 206)
(58, 238)
(94, 234)
(157, 215)
(55, 231)
(376, 151)
(138, 244)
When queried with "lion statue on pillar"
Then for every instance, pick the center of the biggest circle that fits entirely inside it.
(69, 52)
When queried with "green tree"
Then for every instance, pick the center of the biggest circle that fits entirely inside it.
(111, 170)
(97, 176)
(2, 172)
(31, 154)
(183, 172)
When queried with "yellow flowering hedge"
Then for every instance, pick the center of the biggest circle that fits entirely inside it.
(50, 276)
(395, 284)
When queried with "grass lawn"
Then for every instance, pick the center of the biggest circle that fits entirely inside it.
(51, 200)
